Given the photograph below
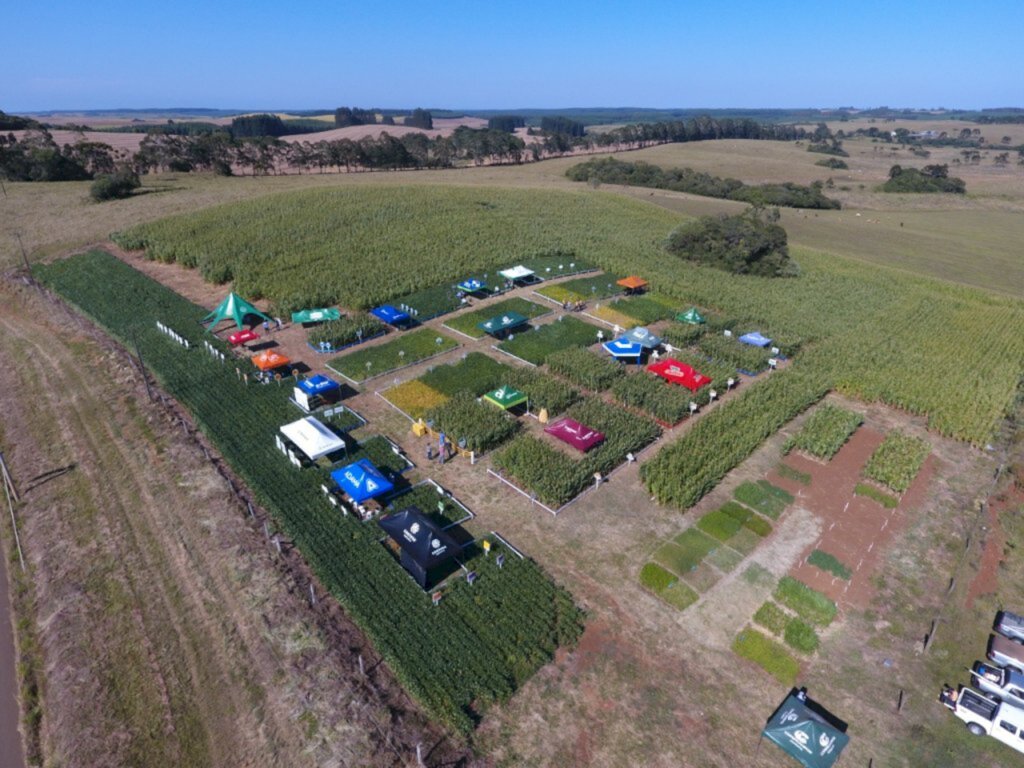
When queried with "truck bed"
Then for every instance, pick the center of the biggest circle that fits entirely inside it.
(1011, 625)
(1003, 650)
(979, 705)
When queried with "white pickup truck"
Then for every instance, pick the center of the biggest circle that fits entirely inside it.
(1010, 625)
(1001, 683)
(984, 716)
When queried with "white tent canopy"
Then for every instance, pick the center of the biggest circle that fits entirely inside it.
(312, 437)
(516, 273)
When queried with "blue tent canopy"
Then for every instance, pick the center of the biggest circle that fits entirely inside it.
(361, 481)
(318, 385)
(643, 337)
(755, 339)
(472, 285)
(390, 315)
(623, 347)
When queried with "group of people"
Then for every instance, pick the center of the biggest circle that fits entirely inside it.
(574, 306)
(278, 325)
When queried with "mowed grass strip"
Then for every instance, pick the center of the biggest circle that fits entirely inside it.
(829, 563)
(771, 656)
(406, 349)
(467, 323)
(537, 344)
(809, 604)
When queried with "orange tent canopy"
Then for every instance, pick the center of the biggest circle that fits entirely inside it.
(268, 360)
(632, 282)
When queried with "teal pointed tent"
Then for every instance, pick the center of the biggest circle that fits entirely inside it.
(804, 734)
(691, 316)
(233, 307)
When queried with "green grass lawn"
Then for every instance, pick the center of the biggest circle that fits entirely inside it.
(763, 497)
(400, 351)
(809, 604)
(467, 322)
(768, 654)
(535, 345)
(682, 554)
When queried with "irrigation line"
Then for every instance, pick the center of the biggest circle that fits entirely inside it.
(514, 357)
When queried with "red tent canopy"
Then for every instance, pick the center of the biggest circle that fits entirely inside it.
(240, 337)
(679, 373)
(575, 434)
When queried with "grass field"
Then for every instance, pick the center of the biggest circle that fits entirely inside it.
(878, 333)
(400, 351)
(536, 344)
(863, 303)
(467, 322)
(240, 421)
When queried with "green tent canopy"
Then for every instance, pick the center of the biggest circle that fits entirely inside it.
(691, 316)
(505, 397)
(501, 323)
(315, 315)
(233, 307)
(802, 733)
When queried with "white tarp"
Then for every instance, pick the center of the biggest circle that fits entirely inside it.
(312, 437)
(516, 273)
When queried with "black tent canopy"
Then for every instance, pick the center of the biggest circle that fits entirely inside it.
(427, 551)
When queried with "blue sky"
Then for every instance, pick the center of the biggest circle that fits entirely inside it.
(66, 54)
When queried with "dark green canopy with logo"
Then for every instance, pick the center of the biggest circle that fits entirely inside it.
(804, 734)
(691, 316)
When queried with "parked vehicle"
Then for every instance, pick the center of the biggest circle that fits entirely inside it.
(986, 717)
(1006, 653)
(1004, 684)
(1010, 625)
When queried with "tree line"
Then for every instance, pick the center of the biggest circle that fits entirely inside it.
(611, 171)
(37, 157)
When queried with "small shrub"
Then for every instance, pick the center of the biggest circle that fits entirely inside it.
(656, 578)
(768, 654)
(772, 618)
(114, 186)
(829, 563)
(801, 636)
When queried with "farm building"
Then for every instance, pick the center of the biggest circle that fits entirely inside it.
(426, 552)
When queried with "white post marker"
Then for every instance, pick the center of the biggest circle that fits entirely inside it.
(693, 407)
(772, 362)
(730, 383)
(712, 394)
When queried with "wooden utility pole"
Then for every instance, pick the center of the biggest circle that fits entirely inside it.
(12, 493)
(142, 367)
(24, 256)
